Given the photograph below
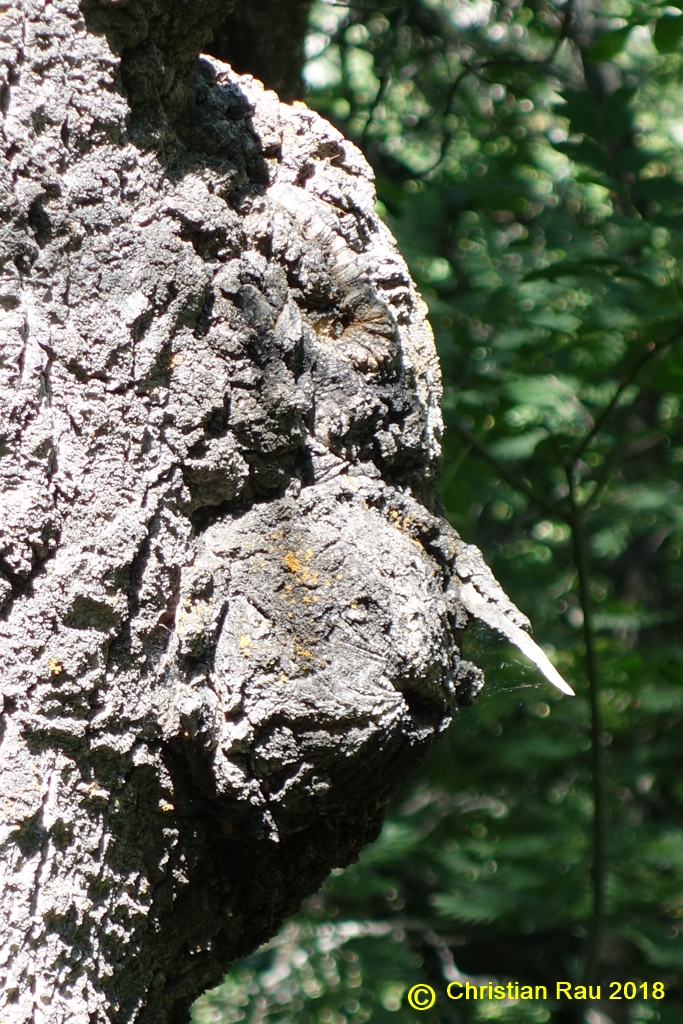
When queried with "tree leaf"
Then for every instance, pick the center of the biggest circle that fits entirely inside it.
(668, 33)
(661, 190)
(519, 447)
(609, 44)
(582, 111)
(617, 117)
(586, 152)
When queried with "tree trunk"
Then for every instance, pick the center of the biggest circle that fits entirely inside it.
(229, 614)
(265, 38)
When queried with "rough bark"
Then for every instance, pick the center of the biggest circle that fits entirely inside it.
(229, 615)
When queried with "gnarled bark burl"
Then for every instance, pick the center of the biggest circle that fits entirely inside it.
(229, 615)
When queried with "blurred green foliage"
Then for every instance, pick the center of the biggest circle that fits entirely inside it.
(529, 159)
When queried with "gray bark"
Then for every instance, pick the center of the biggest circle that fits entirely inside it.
(229, 615)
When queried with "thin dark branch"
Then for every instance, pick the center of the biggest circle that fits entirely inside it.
(599, 859)
(354, 7)
(448, 134)
(384, 77)
(543, 62)
(517, 483)
(565, 29)
(616, 457)
(652, 350)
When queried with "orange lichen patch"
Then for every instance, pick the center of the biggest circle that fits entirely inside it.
(56, 668)
(174, 360)
(245, 642)
(164, 805)
(303, 576)
(293, 563)
(307, 600)
(402, 522)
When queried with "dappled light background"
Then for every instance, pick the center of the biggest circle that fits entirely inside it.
(529, 159)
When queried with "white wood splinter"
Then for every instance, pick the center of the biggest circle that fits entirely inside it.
(484, 599)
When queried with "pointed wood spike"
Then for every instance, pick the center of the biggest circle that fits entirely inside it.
(489, 613)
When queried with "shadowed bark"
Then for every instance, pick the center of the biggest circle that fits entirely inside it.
(265, 38)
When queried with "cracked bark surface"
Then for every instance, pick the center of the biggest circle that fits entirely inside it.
(229, 613)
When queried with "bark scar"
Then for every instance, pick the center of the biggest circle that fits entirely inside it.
(369, 338)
